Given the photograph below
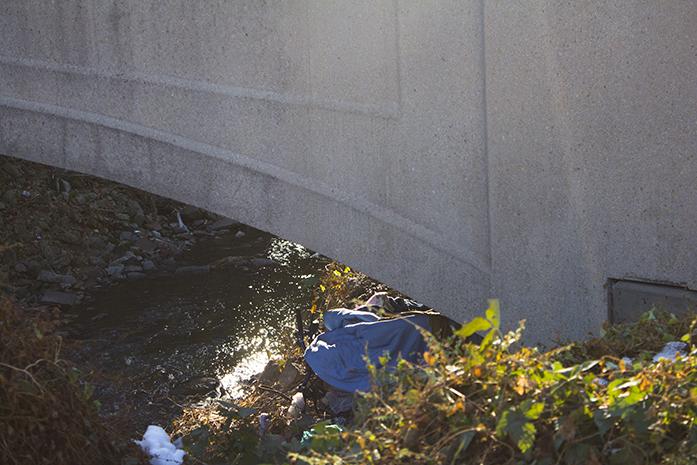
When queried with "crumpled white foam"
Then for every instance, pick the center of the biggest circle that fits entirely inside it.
(157, 444)
(670, 351)
(297, 405)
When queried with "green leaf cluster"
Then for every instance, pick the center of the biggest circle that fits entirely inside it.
(502, 402)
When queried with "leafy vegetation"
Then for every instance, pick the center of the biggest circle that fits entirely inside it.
(500, 403)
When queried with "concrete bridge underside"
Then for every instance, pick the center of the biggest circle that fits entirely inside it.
(455, 149)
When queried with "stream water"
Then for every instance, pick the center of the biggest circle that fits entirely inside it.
(164, 332)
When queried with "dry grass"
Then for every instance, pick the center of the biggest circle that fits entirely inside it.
(47, 415)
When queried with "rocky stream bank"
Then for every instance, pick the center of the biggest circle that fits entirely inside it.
(65, 233)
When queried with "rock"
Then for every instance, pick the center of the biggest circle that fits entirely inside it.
(10, 197)
(134, 207)
(193, 269)
(127, 236)
(98, 261)
(133, 269)
(114, 270)
(138, 219)
(240, 234)
(223, 223)
(197, 386)
(59, 298)
(47, 276)
(148, 265)
(135, 275)
(146, 245)
(34, 266)
(290, 376)
(8, 256)
(260, 262)
(191, 214)
(92, 273)
(271, 373)
(48, 251)
(126, 257)
(12, 170)
(154, 226)
(21, 268)
(66, 187)
(227, 262)
(122, 217)
(71, 237)
(95, 242)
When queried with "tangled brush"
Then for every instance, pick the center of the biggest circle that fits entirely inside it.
(47, 415)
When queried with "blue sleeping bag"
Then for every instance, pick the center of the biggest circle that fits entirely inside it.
(337, 356)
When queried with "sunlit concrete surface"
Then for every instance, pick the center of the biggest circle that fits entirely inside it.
(456, 150)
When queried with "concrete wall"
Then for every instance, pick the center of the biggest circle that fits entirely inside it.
(453, 149)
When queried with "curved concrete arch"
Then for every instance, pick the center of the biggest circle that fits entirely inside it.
(454, 149)
(142, 168)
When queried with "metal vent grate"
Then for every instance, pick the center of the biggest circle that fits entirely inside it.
(628, 300)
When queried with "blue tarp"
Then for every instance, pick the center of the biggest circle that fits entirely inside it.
(337, 356)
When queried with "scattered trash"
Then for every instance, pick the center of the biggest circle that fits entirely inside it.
(670, 351)
(340, 317)
(180, 227)
(392, 304)
(337, 356)
(321, 436)
(297, 405)
(158, 446)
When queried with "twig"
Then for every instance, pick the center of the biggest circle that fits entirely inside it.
(21, 370)
(275, 391)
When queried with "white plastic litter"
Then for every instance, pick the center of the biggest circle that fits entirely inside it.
(296, 405)
(670, 351)
(158, 446)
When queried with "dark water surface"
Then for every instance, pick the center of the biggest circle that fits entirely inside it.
(163, 331)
